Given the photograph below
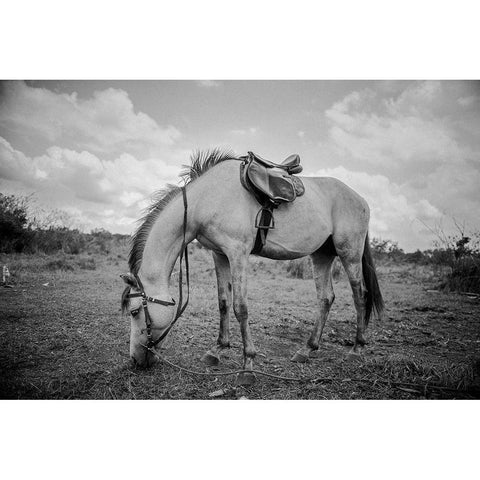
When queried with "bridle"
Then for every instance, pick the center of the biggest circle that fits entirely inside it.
(145, 298)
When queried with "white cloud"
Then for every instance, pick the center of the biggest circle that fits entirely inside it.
(468, 101)
(393, 132)
(392, 212)
(244, 131)
(104, 123)
(209, 83)
(417, 145)
(111, 192)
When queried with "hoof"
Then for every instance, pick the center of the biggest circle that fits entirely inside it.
(354, 355)
(314, 354)
(299, 358)
(246, 379)
(210, 359)
(358, 348)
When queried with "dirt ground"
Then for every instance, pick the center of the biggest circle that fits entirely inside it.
(62, 336)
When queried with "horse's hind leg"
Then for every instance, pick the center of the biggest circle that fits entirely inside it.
(224, 287)
(353, 268)
(322, 274)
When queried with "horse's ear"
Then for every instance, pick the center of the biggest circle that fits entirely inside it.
(129, 279)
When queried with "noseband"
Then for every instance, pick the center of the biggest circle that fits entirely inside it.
(145, 298)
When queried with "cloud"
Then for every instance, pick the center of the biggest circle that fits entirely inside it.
(244, 131)
(393, 132)
(64, 178)
(468, 101)
(454, 190)
(417, 148)
(392, 212)
(104, 123)
(209, 83)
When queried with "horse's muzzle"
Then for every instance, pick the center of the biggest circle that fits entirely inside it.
(147, 361)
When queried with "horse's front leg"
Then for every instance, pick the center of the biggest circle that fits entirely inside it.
(224, 287)
(238, 267)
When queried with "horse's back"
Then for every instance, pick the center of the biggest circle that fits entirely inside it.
(344, 203)
(328, 206)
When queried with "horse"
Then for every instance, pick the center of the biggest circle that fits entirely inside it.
(329, 220)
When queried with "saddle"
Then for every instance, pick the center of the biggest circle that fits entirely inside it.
(272, 184)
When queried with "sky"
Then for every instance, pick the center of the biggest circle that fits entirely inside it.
(98, 150)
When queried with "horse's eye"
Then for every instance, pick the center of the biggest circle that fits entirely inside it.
(134, 312)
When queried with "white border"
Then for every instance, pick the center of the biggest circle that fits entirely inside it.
(216, 39)
(238, 440)
(249, 39)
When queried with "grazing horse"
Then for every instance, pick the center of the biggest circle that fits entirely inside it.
(329, 220)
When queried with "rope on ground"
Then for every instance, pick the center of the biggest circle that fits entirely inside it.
(379, 379)
(235, 372)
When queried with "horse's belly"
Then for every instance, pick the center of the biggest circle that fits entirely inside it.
(301, 228)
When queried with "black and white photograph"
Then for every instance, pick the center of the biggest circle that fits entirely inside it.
(239, 239)
(326, 248)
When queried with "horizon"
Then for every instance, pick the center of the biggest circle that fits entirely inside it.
(98, 150)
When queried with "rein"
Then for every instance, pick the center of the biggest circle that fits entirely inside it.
(181, 307)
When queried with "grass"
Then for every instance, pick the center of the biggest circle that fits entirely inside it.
(62, 336)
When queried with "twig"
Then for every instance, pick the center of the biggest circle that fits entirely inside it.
(469, 294)
(112, 394)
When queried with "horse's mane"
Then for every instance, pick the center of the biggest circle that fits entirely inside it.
(200, 162)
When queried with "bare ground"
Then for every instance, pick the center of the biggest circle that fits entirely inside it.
(62, 336)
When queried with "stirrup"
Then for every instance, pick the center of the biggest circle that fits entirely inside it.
(260, 217)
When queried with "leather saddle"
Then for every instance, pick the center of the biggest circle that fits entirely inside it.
(291, 164)
(272, 184)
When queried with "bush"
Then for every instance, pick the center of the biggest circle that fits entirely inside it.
(53, 240)
(418, 257)
(87, 263)
(465, 277)
(22, 232)
(14, 231)
(457, 259)
(70, 262)
(384, 250)
(59, 264)
(303, 268)
(462, 255)
(300, 268)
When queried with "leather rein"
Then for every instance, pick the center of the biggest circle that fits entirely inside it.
(180, 308)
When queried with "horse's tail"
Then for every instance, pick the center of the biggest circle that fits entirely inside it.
(374, 300)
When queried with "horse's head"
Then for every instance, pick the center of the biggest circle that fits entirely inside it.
(150, 318)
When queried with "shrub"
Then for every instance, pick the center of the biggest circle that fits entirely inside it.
(461, 254)
(383, 250)
(87, 263)
(21, 231)
(59, 264)
(302, 268)
(416, 257)
(14, 231)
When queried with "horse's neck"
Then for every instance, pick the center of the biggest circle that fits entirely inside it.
(164, 245)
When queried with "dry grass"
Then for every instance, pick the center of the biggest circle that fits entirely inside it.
(62, 336)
